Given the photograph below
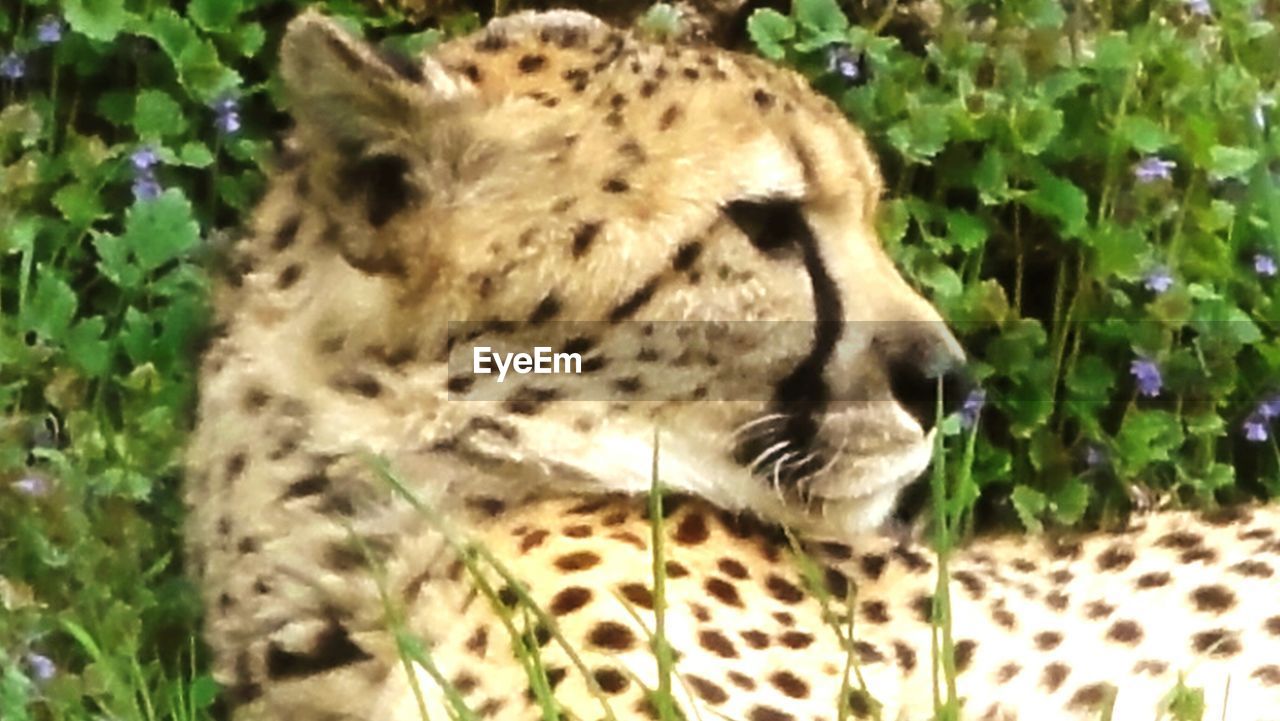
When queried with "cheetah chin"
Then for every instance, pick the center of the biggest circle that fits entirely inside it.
(697, 226)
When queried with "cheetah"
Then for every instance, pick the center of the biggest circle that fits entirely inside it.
(697, 226)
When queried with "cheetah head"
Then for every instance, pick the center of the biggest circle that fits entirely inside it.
(696, 225)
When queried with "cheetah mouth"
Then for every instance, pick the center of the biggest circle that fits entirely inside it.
(842, 453)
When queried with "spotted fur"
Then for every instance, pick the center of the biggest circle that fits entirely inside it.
(698, 224)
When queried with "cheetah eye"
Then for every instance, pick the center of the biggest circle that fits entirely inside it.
(772, 226)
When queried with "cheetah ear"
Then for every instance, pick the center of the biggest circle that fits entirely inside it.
(342, 88)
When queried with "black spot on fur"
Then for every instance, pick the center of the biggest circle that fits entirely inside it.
(635, 301)
(686, 255)
(531, 63)
(383, 181)
(286, 233)
(583, 237)
(548, 308)
(333, 648)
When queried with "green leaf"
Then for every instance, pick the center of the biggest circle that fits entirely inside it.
(1034, 128)
(51, 307)
(1070, 503)
(79, 203)
(156, 115)
(1091, 379)
(195, 154)
(1143, 134)
(922, 135)
(1227, 162)
(821, 16)
(1044, 14)
(249, 38)
(769, 29)
(86, 349)
(1119, 251)
(1114, 52)
(114, 261)
(160, 230)
(97, 19)
(214, 15)
(195, 58)
(990, 178)
(1029, 505)
(1060, 199)
(1147, 437)
(966, 231)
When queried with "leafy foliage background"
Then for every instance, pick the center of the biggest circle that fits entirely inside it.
(1077, 190)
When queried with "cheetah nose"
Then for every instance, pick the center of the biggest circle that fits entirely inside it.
(923, 353)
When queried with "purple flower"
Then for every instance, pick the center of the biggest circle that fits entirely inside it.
(146, 187)
(49, 31)
(32, 486)
(1153, 168)
(226, 115)
(1147, 373)
(1095, 456)
(1270, 408)
(1255, 428)
(843, 61)
(1264, 264)
(13, 66)
(972, 407)
(145, 184)
(1158, 279)
(1199, 7)
(144, 158)
(42, 667)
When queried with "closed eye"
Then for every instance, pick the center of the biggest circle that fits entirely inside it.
(772, 226)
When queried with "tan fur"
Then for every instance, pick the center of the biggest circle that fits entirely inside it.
(553, 170)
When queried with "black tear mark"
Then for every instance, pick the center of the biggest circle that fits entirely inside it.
(333, 649)
(635, 302)
(803, 395)
(383, 180)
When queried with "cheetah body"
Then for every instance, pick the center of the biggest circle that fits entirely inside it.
(699, 225)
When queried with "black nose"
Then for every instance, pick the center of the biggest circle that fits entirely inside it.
(916, 387)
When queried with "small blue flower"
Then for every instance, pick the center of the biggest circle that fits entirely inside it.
(1158, 279)
(144, 158)
(1199, 7)
(1264, 264)
(1095, 456)
(146, 187)
(843, 61)
(1153, 168)
(32, 486)
(13, 66)
(226, 115)
(42, 667)
(1255, 428)
(1148, 376)
(1270, 408)
(972, 407)
(49, 31)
